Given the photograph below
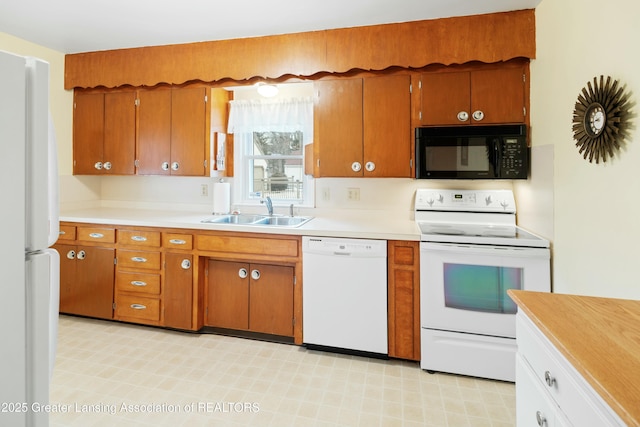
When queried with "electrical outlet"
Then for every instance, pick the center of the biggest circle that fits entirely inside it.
(326, 194)
(204, 190)
(353, 194)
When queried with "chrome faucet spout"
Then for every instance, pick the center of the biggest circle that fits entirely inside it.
(267, 201)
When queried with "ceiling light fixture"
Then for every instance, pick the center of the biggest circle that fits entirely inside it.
(268, 91)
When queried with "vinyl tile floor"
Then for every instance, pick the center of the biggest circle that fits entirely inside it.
(115, 374)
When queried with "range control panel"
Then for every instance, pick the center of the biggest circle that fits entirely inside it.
(465, 200)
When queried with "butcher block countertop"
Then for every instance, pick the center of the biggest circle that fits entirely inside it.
(599, 336)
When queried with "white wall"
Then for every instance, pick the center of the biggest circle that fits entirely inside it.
(596, 206)
(72, 189)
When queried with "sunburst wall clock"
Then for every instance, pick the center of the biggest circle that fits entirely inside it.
(600, 119)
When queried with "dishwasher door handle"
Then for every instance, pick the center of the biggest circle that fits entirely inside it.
(342, 253)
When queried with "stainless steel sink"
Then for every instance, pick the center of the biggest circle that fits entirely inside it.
(263, 220)
(234, 219)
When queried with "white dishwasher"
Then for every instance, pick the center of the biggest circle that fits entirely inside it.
(344, 295)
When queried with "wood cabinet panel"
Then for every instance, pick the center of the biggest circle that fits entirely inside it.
(137, 307)
(178, 290)
(142, 238)
(119, 141)
(189, 135)
(288, 247)
(404, 299)
(444, 95)
(154, 131)
(337, 127)
(96, 234)
(228, 295)
(271, 300)
(138, 282)
(500, 94)
(67, 232)
(138, 260)
(387, 126)
(88, 132)
(86, 280)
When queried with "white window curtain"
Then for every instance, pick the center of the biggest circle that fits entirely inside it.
(281, 115)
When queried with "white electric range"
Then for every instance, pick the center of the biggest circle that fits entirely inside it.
(471, 253)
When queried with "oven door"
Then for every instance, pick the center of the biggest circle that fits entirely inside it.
(463, 287)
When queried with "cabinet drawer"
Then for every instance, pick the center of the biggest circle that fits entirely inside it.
(139, 238)
(138, 282)
(138, 260)
(177, 241)
(137, 307)
(248, 245)
(95, 234)
(67, 232)
(577, 399)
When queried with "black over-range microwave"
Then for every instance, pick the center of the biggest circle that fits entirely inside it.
(472, 152)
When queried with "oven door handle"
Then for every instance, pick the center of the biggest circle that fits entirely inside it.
(503, 251)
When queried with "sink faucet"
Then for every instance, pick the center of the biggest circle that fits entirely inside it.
(267, 201)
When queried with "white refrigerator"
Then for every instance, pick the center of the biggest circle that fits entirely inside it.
(29, 269)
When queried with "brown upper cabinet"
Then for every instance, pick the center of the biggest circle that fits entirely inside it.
(362, 127)
(104, 133)
(483, 95)
(158, 131)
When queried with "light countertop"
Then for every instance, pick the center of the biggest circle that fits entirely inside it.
(599, 336)
(345, 223)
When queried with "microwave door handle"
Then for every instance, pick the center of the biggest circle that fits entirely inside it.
(497, 157)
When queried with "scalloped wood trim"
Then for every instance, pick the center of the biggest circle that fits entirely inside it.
(486, 38)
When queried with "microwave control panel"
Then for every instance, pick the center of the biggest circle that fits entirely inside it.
(515, 155)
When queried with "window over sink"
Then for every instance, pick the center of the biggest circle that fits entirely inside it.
(269, 140)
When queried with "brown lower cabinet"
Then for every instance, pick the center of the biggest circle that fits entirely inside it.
(404, 299)
(86, 280)
(250, 297)
(178, 292)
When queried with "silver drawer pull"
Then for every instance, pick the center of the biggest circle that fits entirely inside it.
(178, 242)
(138, 259)
(62, 233)
(138, 283)
(549, 379)
(96, 235)
(138, 238)
(138, 306)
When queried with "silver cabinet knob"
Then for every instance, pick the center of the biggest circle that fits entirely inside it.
(549, 379)
(107, 165)
(370, 166)
(185, 264)
(477, 115)
(242, 273)
(82, 255)
(71, 255)
(98, 165)
(175, 166)
(255, 274)
(165, 166)
(463, 116)
(540, 418)
(356, 166)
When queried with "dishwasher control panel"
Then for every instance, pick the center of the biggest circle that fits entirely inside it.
(338, 246)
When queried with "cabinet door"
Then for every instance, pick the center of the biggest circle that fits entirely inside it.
(88, 132)
(444, 96)
(404, 299)
(271, 299)
(119, 133)
(86, 281)
(338, 128)
(228, 295)
(68, 301)
(154, 132)
(178, 290)
(499, 94)
(387, 126)
(189, 139)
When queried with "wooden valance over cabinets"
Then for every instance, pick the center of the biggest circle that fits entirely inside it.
(485, 38)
